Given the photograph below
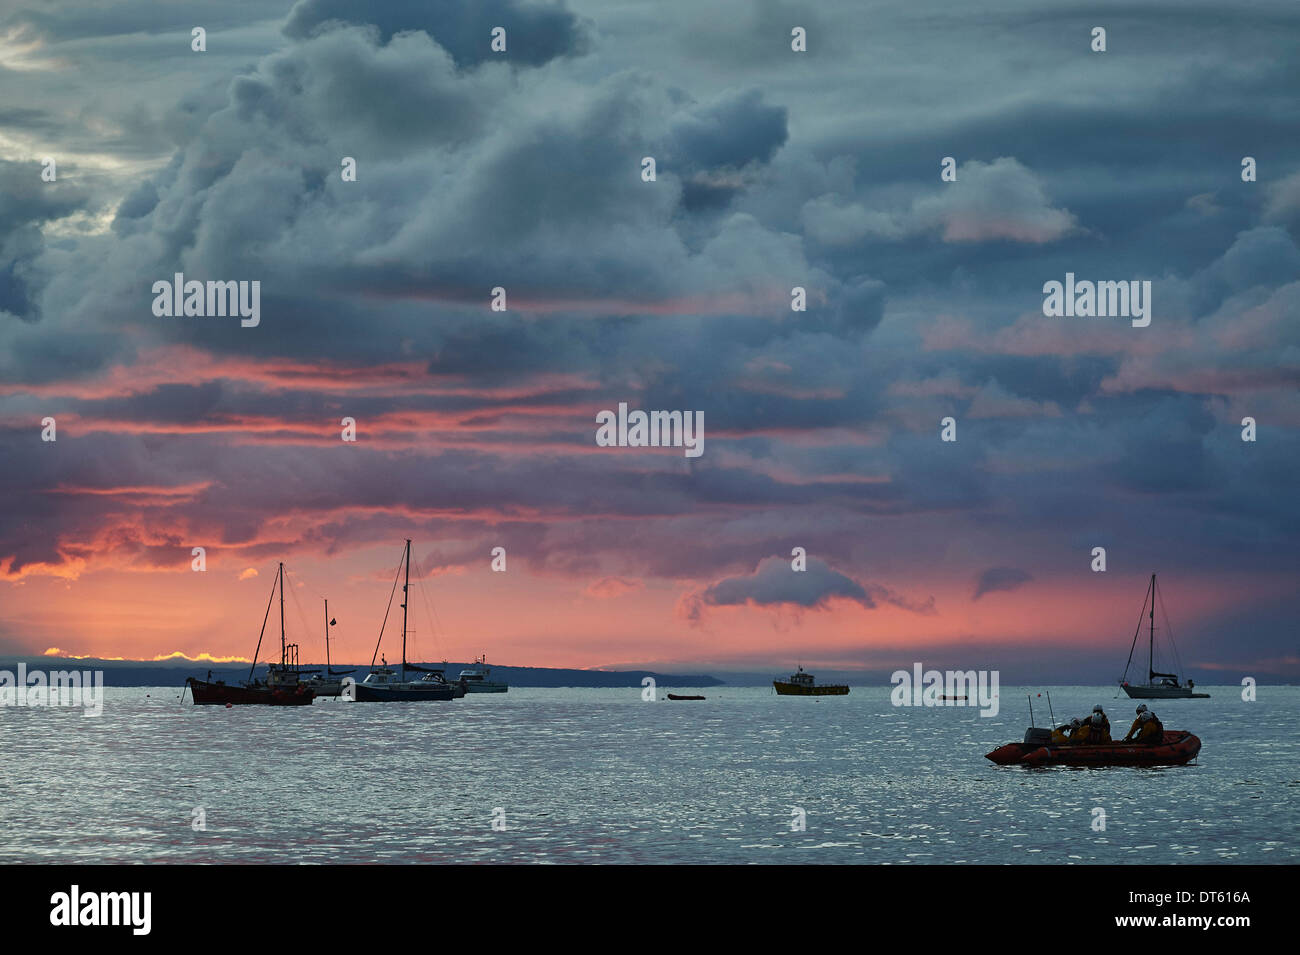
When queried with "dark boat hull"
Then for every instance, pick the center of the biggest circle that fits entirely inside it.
(219, 694)
(366, 693)
(1162, 693)
(794, 689)
(1177, 747)
(674, 696)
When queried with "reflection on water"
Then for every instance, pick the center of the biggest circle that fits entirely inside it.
(600, 775)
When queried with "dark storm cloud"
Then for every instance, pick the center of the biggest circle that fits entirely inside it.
(774, 582)
(27, 202)
(713, 144)
(547, 208)
(536, 31)
(26, 199)
(820, 426)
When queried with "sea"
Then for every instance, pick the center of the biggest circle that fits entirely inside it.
(607, 776)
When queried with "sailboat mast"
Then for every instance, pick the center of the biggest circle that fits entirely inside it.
(282, 613)
(406, 598)
(1151, 644)
(327, 636)
(261, 633)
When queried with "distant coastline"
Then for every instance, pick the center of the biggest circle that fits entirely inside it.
(172, 673)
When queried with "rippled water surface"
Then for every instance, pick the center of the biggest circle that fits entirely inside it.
(600, 775)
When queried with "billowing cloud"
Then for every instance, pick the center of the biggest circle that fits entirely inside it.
(535, 30)
(523, 170)
(28, 203)
(999, 200)
(775, 583)
(1283, 204)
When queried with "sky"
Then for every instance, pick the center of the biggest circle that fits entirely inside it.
(476, 428)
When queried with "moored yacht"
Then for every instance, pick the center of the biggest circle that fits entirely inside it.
(385, 685)
(1159, 686)
(475, 678)
(330, 682)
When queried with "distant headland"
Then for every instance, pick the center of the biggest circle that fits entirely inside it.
(173, 672)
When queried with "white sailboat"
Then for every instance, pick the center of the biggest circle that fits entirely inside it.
(1159, 686)
(385, 685)
(328, 683)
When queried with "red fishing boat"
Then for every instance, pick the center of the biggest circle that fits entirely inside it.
(282, 686)
(219, 691)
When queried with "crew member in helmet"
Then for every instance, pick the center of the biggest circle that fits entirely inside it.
(1152, 731)
(1080, 732)
(1137, 723)
(1132, 730)
(1100, 729)
(1100, 725)
(1147, 728)
(1061, 734)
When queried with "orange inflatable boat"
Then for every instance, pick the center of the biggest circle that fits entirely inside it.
(1177, 747)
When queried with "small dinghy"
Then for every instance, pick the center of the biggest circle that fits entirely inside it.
(1176, 748)
(674, 696)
